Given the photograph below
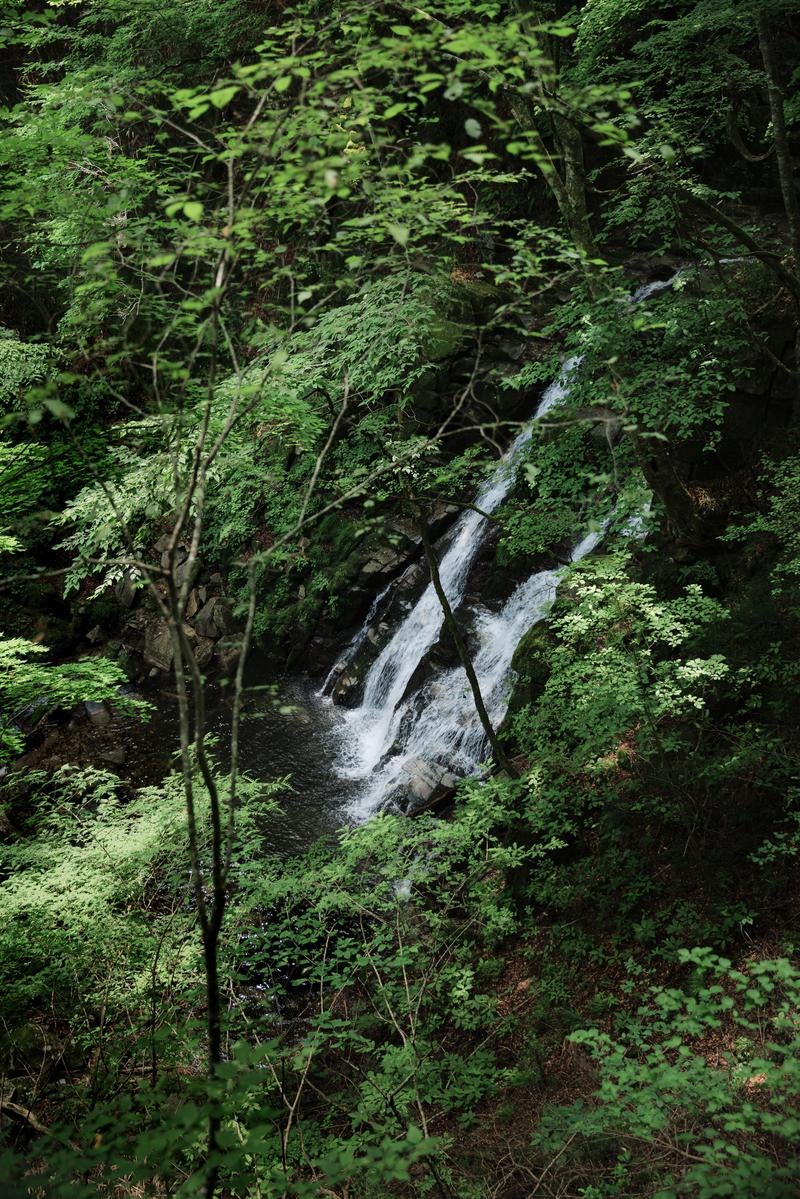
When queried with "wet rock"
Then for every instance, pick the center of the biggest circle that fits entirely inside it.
(345, 691)
(428, 780)
(425, 777)
(95, 635)
(158, 645)
(214, 619)
(412, 578)
(125, 591)
(114, 757)
(380, 566)
(98, 714)
(227, 651)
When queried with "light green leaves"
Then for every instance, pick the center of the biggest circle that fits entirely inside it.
(223, 95)
(400, 233)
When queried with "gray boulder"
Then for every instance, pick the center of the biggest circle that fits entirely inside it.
(98, 714)
(428, 780)
(158, 644)
(214, 619)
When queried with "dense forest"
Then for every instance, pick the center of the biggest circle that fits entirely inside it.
(400, 536)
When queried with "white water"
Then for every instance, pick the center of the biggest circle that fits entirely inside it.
(448, 724)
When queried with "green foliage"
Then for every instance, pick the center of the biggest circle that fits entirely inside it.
(662, 369)
(21, 366)
(775, 523)
(393, 1021)
(624, 661)
(28, 685)
(82, 890)
(316, 239)
(701, 1093)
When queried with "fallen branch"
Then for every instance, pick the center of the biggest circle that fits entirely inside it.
(25, 1115)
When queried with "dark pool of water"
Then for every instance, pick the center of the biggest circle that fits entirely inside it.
(286, 730)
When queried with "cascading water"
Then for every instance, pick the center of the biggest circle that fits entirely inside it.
(369, 731)
(392, 730)
(448, 723)
(355, 645)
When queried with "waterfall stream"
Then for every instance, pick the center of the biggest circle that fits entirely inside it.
(448, 720)
(393, 734)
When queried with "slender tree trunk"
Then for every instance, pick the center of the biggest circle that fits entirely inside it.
(782, 151)
(566, 179)
(498, 753)
(575, 209)
(783, 155)
(214, 1026)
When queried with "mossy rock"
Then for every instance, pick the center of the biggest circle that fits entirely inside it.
(531, 664)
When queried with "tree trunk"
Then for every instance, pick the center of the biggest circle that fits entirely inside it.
(782, 151)
(575, 210)
(656, 465)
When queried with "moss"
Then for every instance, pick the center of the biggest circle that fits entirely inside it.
(531, 665)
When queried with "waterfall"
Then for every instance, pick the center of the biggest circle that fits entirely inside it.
(350, 651)
(391, 730)
(370, 730)
(447, 725)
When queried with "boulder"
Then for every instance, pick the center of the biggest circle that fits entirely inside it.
(158, 644)
(214, 619)
(202, 647)
(382, 563)
(125, 591)
(345, 690)
(227, 651)
(185, 568)
(98, 714)
(193, 603)
(428, 780)
(424, 778)
(114, 757)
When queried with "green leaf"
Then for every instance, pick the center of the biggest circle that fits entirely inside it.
(59, 409)
(400, 233)
(472, 127)
(223, 95)
(193, 209)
